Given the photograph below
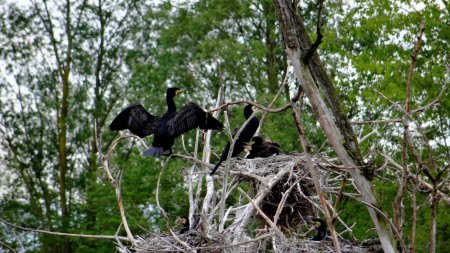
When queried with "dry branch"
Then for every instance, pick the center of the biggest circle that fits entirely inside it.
(314, 175)
(107, 237)
(263, 108)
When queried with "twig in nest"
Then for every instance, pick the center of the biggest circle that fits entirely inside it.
(271, 224)
(283, 200)
(236, 244)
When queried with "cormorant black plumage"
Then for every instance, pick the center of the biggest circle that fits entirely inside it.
(260, 148)
(167, 127)
(245, 136)
(184, 221)
(321, 227)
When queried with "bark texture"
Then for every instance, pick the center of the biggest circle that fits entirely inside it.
(325, 104)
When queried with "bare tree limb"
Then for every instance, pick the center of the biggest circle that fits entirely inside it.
(281, 109)
(398, 202)
(227, 162)
(414, 218)
(418, 180)
(108, 237)
(315, 176)
(116, 182)
(308, 55)
(166, 218)
(209, 179)
(264, 116)
(378, 121)
(439, 97)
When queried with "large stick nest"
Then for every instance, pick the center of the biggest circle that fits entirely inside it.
(298, 203)
(273, 178)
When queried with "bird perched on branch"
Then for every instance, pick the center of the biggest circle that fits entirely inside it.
(245, 136)
(321, 228)
(167, 127)
(260, 148)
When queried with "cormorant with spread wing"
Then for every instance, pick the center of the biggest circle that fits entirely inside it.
(245, 136)
(260, 148)
(167, 127)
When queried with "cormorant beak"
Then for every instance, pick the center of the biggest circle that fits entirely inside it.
(312, 222)
(248, 146)
(181, 220)
(178, 91)
(316, 224)
(255, 109)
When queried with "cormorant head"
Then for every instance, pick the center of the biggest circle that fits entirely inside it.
(256, 140)
(249, 109)
(172, 92)
(184, 221)
(319, 224)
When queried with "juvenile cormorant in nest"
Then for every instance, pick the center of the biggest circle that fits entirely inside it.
(184, 221)
(245, 136)
(260, 148)
(167, 127)
(321, 228)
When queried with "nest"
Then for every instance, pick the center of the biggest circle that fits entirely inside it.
(296, 185)
(282, 186)
(306, 246)
(165, 242)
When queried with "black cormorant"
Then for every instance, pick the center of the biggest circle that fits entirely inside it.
(245, 136)
(321, 228)
(260, 148)
(184, 221)
(186, 225)
(166, 127)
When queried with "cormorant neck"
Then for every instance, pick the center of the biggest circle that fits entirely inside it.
(171, 107)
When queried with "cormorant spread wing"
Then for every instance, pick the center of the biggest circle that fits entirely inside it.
(136, 119)
(190, 117)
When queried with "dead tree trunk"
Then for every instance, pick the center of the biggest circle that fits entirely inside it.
(311, 75)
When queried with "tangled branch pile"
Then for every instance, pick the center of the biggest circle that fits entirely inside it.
(283, 195)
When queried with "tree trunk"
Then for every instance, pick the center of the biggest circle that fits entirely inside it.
(332, 120)
(62, 130)
(270, 41)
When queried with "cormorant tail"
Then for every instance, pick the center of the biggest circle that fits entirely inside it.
(154, 151)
